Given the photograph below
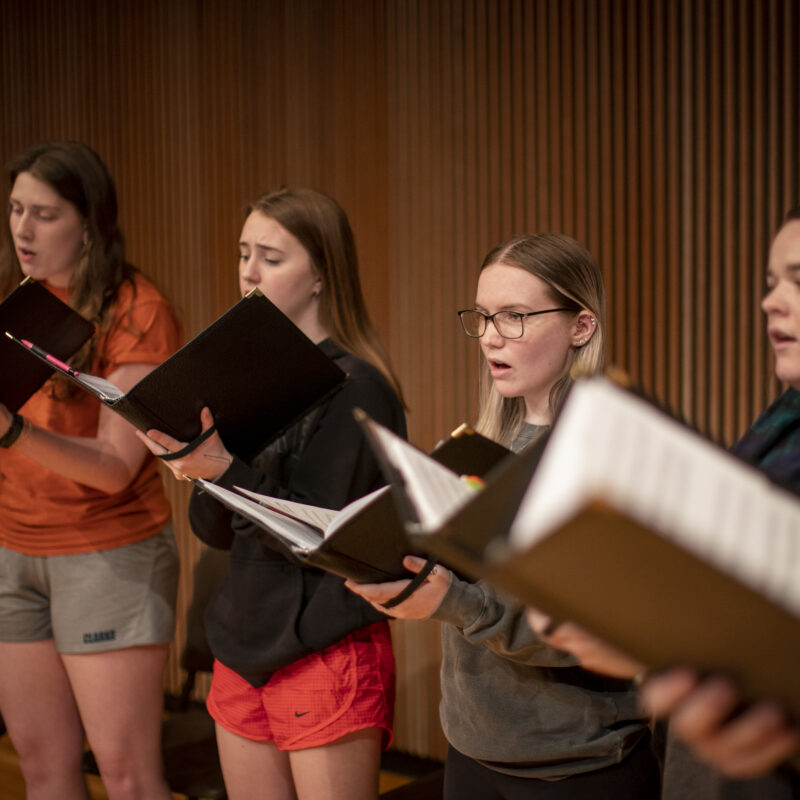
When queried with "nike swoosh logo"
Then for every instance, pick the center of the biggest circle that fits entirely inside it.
(300, 713)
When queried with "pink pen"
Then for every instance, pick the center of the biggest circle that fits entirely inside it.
(52, 359)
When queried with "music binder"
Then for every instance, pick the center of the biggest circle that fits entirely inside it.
(433, 499)
(365, 540)
(652, 538)
(255, 370)
(37, 314)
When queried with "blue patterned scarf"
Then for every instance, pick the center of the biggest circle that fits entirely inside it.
(772, 444)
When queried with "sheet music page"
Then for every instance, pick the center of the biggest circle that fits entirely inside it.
(318, 518)
(614, 447)
(435, 491)
(351, 509)
(293, 533)
(325, 520)
(104, 389)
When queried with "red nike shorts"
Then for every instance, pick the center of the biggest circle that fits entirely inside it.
(347, 687)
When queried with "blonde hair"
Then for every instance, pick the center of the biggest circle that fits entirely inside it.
(574, 282)
(320, 224)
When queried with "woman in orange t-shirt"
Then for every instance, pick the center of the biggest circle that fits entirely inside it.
(89, 563)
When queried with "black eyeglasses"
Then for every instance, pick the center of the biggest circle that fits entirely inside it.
(509, 324)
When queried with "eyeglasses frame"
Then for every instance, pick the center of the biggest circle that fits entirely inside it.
(487, 318)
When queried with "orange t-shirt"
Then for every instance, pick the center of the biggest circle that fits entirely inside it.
(43, 513)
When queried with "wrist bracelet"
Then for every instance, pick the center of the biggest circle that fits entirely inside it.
(14, 430)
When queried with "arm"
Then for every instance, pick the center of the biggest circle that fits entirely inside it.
(108, 462)
(592, 653)
(483, 616)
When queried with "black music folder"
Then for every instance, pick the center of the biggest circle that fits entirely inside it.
(641, 530)
(366, 540)
(255, 370)
(37, 315)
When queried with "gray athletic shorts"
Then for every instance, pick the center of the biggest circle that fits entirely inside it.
(91, 602)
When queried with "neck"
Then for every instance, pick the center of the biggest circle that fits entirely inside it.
(537, 410)
(315, 331)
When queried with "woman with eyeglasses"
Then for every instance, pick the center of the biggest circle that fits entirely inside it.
(523, 720)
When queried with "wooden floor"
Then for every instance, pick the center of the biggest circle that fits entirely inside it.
(13, 788)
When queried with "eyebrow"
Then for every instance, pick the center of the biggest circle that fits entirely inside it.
(794, 269)
(260, 246)
(35, 206)
(512, 307)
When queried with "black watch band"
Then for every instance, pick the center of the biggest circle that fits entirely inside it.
(14, 430)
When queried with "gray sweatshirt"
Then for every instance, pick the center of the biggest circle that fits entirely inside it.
(517, 705)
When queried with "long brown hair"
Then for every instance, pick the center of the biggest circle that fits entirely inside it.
(574, 282)
(320, 224)
(81, 178)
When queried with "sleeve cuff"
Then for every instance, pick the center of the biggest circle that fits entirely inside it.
(461, 605)
(239, 473)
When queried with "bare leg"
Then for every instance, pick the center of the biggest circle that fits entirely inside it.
(347, 769)
(120, 697)
(254, 770)
(39, 710)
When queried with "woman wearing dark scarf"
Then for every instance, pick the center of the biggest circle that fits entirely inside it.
(713, 754)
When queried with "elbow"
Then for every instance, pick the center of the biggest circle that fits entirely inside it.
(115, 475)
(116, 481)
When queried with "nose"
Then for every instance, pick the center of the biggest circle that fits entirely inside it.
(491, 338)
(774, 301)
(21, 225)
(248, 271)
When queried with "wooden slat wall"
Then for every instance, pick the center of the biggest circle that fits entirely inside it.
(665, 135)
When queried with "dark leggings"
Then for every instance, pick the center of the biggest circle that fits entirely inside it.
(637, 778)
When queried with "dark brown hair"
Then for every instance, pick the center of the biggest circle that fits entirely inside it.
(81, 178)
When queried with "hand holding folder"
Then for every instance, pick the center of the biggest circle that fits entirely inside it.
(415, 598)
(252, 367)
(204, 457)
(366, 540)
(634, 526)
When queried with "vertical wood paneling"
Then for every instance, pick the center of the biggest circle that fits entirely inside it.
(664, 135)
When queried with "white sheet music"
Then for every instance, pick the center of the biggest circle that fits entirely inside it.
(609, 445)
(325, 520)
(318, 518)
(100, 387)
(435, 491)
(295, 534)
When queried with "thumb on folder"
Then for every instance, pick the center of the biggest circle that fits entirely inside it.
(208, 460)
